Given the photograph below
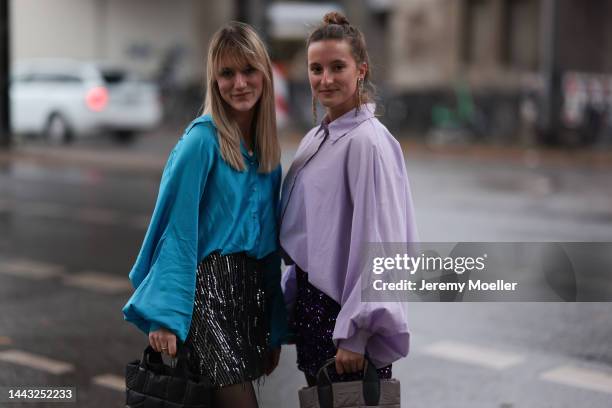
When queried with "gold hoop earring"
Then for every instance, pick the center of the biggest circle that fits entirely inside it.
(359, 92)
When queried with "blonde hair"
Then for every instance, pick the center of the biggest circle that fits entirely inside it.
(240, 43)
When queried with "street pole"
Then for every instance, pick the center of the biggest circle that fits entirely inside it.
(254, 13)
(551, 73)
(5, 127)
(242, 12)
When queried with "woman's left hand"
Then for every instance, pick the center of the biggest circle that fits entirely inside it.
(348, 361)
(272, 360)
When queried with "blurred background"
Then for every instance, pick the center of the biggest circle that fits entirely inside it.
(502, 107)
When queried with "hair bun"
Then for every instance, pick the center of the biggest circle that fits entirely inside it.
(334, 17)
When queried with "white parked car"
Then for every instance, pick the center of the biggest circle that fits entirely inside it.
(64, 99)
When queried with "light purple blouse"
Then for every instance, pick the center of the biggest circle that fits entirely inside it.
(346, 189)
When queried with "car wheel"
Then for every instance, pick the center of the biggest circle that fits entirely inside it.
(57, 130)
(124, 136)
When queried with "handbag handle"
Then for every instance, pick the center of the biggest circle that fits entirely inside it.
(152, 359)
(371, 384)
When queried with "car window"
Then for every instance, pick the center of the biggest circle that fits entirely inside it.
(115, 76)
(51, 77)
(20, 77)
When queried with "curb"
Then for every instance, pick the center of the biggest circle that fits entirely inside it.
(111, 160)
(529, 157)
(130, 162)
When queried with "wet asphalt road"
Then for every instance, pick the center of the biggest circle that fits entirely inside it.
(62, 224)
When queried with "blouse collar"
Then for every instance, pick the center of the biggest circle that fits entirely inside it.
(347, 122)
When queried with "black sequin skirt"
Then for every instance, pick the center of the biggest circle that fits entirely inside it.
(229, 329)
(313, 323)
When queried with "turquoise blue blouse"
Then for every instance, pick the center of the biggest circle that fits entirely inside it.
(203, 206)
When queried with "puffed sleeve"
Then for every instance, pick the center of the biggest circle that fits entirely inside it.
(164, 272)
(381, 212)
(289, 286)
(275, 303)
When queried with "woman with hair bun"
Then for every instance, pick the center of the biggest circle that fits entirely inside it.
(347, 187)
(208, 273)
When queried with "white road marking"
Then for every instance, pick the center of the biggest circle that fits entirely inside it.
(41, 209)
(97, 216)
(34, 361)
(99, 282)
(89, 280)
(110, 381)
(476, 355)
(139, 221)
(91, 215)
(30, 269)
(5, 206)
(580, 377)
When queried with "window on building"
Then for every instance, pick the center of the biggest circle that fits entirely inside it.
(521, 37)
(480, 28)
(502, 32)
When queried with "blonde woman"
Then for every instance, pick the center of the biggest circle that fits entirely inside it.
(207, 273)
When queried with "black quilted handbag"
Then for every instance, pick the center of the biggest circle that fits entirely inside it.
(152, 384)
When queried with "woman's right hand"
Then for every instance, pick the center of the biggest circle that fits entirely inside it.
(163, 341)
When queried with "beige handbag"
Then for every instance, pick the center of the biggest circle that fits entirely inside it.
(369, 392)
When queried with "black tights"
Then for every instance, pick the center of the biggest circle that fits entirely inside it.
(311, 380)
(236, 396)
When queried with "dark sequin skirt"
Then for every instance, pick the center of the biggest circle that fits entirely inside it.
(313, 324)
(229, 330)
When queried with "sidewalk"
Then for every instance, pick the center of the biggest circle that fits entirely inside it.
(148, 155)
(530, 157)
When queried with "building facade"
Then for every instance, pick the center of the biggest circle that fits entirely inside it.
(140, 34)
(508, 59)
